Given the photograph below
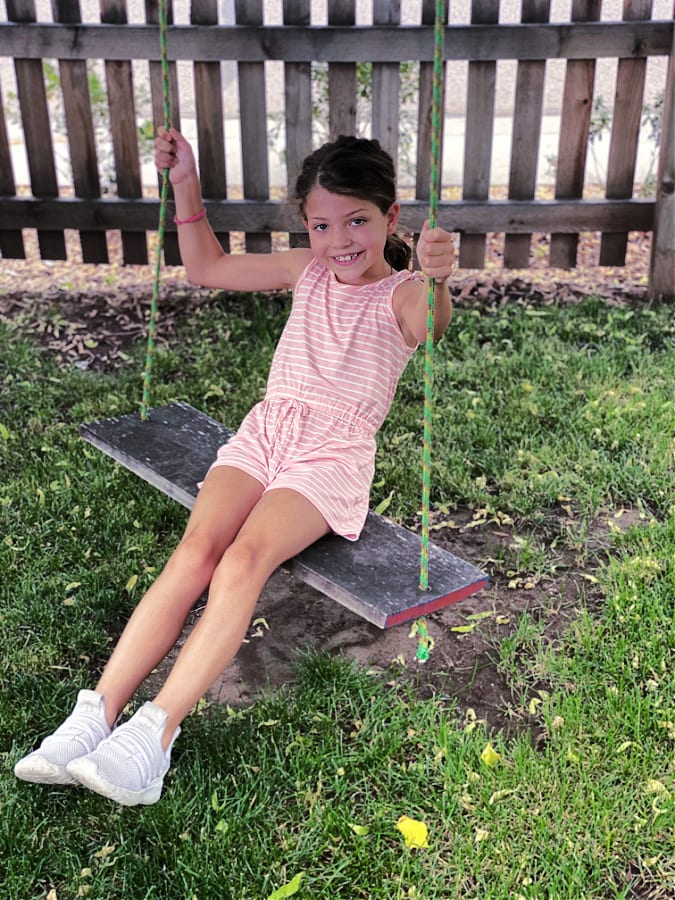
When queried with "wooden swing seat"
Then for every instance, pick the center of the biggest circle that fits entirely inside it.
(376, 577)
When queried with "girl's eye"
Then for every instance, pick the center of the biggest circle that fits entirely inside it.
(320, 227)
(358, 221)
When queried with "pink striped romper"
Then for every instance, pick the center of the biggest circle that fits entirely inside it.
(332, 381)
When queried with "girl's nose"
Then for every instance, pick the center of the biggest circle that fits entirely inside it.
(341, 237)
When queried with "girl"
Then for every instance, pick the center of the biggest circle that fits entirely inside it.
(300, 465)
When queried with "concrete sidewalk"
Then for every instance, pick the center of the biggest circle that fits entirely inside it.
(453, 157)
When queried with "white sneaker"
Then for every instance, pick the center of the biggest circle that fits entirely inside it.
(129, 766)
(81, 733)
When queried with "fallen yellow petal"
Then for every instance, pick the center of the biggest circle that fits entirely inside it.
(534, 703)
(490, 756)
(414, 832)
(499, 795)
(657, 787)
(131, 584)
(466, 801)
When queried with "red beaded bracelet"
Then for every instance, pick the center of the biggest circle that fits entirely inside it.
(195, 218)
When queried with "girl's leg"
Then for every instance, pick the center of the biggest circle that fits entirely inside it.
(129, 766)
(222, 505)
(280, 525)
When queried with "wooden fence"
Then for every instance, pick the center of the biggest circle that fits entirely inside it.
(299, 44)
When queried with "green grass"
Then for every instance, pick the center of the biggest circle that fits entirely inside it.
(536, 407)
(537, 403)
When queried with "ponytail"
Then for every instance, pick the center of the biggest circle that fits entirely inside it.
(397, 252)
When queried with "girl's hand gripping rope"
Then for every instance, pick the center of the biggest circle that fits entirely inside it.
(437, 259)
(174, 153)
(436, 252)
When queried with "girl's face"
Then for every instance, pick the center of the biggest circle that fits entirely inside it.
(348, 235)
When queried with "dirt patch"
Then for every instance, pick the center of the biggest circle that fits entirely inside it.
(476, 668)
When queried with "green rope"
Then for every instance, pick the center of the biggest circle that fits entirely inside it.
(154, 304)
(434, 191)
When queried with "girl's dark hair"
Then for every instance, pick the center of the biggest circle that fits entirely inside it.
(355, 167)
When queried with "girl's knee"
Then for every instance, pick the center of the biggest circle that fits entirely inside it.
(243, 564)
(197, 551)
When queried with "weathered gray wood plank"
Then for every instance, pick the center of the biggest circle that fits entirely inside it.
(386, 85)
(662, 262)
(480, 106)
(573, 143)
(80, 129)
(171, 254)
(11, 240)
(210, 117)
(424, 106)
(36, 131)
(336, 44)
(298, 106)
(122, 107)
(526, 134)
(629, 94)
(341, 76)
(498, 215)
(253, 120)
(376, 577)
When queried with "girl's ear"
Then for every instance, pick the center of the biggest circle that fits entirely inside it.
(392, 217)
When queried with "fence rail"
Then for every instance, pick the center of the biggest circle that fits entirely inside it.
(299, 45)
(334, 43)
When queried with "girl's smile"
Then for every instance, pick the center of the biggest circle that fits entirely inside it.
(348, 235)
(347, 260)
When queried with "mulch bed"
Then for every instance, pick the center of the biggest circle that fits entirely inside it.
(88, 316)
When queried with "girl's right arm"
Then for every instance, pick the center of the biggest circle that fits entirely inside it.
(205, 261)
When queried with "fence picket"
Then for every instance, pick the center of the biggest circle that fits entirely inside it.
(386, 85)
(171, 254)
(425, 94)
(575, 121)
(122, 106)
(253, 119)
(526, 135)
(210, 117)
(630, 87)
(480, 107)
(424, 106)
(662, 262)
(80, 129)
(11, 239)
(298, 107)
(37, 133)
(341, 77)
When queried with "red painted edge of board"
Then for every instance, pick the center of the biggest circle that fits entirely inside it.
(423, 609)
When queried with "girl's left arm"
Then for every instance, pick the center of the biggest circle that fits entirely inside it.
(436, 255)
